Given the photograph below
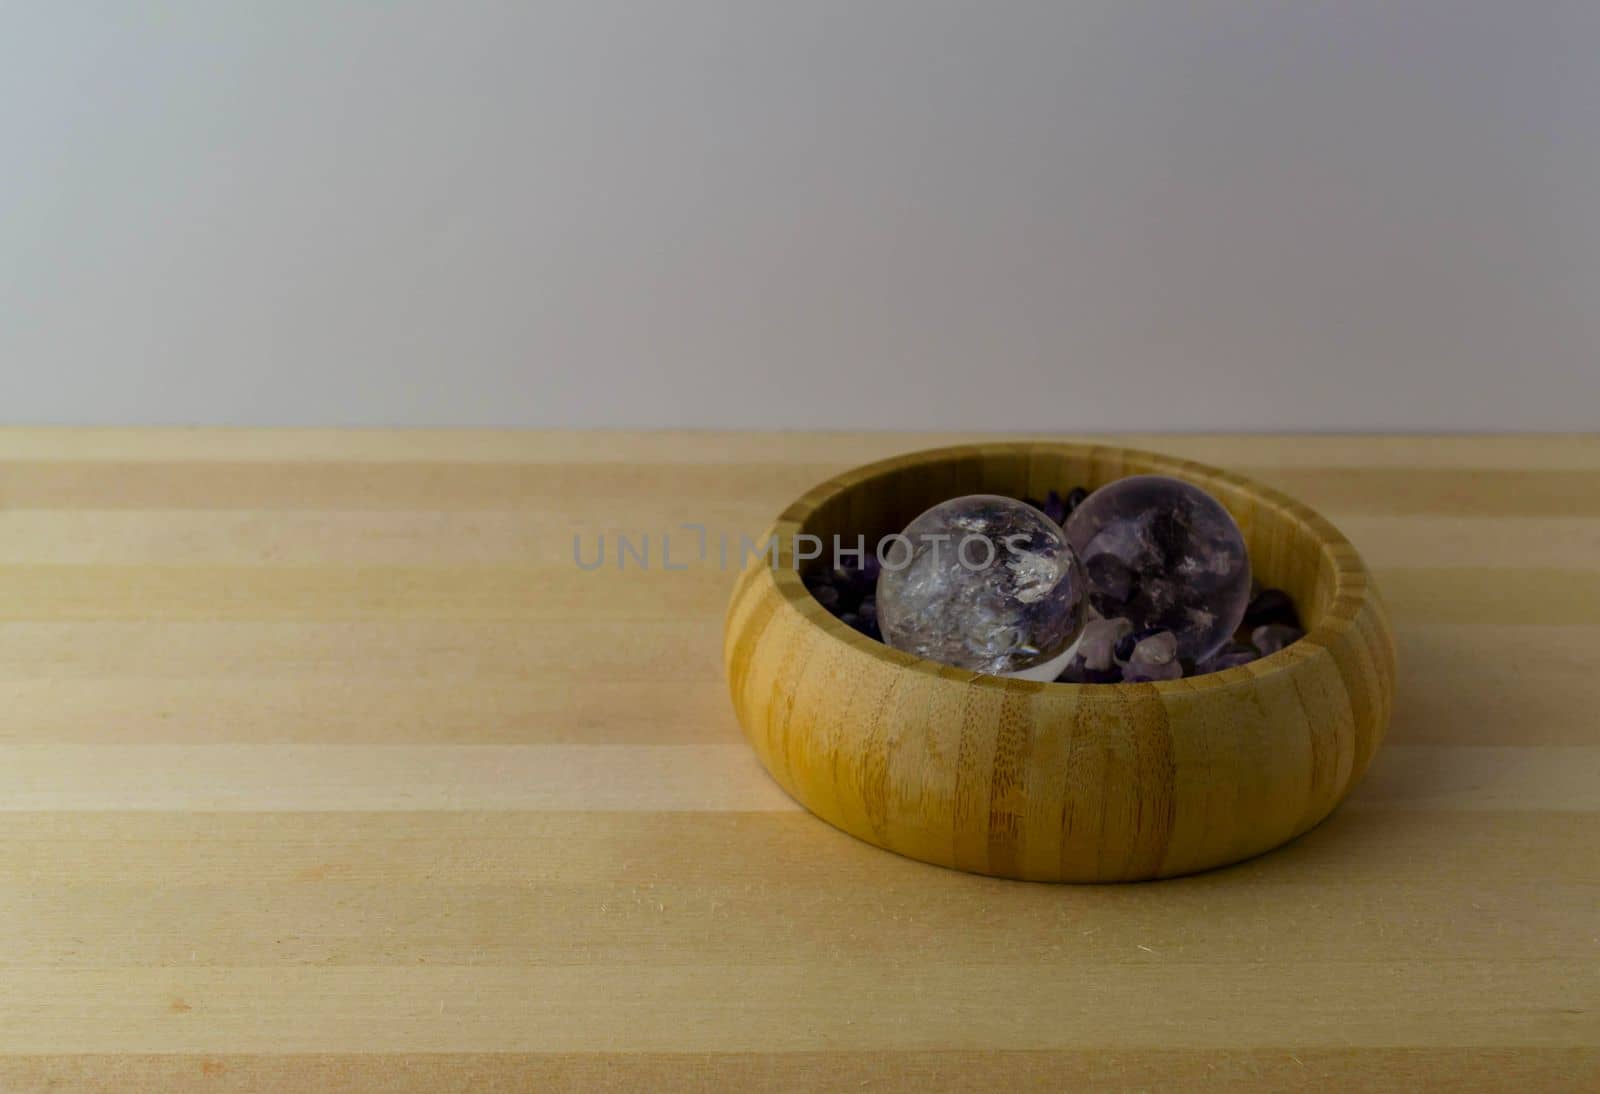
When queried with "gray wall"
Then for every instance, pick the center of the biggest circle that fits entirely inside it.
(1209, 215)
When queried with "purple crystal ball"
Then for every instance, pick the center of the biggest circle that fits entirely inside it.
(984, 583)
(1162, 553)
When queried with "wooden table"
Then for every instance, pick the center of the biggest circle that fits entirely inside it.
(322, 765)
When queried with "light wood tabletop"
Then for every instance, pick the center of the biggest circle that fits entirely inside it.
(324, 766)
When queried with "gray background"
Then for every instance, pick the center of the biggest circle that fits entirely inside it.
(1122, 215)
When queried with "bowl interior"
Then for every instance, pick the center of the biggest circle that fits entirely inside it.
(1290, 547)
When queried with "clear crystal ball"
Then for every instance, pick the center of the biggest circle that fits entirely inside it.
(984, 583)
(1162, 553)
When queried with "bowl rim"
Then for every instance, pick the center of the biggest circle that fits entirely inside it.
(1351, 584)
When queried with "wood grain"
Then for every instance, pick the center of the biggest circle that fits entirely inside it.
(321, 767)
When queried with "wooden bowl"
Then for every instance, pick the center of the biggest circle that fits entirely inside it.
(1059, 782)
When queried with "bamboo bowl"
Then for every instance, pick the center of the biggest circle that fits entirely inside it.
(1059, 782)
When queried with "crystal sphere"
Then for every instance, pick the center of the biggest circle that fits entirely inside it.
(1164, 554)
(984, 583)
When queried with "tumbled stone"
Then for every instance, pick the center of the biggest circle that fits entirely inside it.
(1230, 656)
(1274, 636)
(1270, 606)
(1097, 646)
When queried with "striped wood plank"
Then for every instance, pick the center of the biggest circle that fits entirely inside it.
(323, 767)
